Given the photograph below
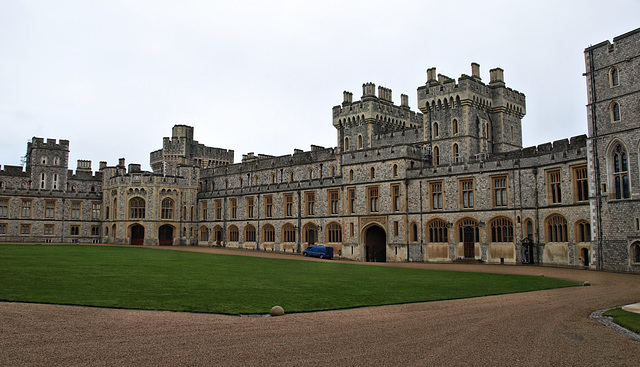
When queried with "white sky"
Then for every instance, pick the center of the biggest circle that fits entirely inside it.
(114, 76)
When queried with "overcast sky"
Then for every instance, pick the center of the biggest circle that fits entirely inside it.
(113, 77)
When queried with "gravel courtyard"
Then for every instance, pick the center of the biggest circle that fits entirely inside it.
(529, 329)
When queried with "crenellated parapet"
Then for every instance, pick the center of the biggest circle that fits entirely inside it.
(181, 149)
(444, 93)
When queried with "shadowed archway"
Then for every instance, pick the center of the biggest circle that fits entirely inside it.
(137, 235)
(375, 241)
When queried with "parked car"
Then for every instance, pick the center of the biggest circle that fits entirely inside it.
(323, 252)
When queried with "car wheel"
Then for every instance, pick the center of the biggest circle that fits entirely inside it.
(304, 254)
(322, 256)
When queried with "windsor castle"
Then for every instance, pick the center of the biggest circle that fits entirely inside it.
(449, 183)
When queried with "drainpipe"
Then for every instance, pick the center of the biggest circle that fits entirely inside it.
(299, 222)
(596, 162)
(421, 221)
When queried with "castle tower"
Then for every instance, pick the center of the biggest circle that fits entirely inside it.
(613, 90)
(48, 163)
(470, 119)
(358, 123)
(181, 149)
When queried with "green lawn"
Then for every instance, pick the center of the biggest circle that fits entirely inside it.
(156, 279)
(629, 320)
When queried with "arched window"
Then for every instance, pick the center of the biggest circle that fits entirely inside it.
(250, 233)
(288, 233)
(583, 231)
(438, 231)
(233, 234)
(333, 171)
(614, 79)
(414, 232)
(556, 228)
(290, 176)
(204, 234)
(56, 160)
(454, 127)
(468, 230)
(268, 233)
(334, 233)
(43, 179)
(310, 174)
(615, 112)
(456, 156)
(43, 159)
(137, 208)
(167, 208)
(395, 170)
(359, 141)
(346, 144)
(435, 130)
(350, 175)
(502, 230)
(620, 172)
(115, 208)
(436, 155)
(528, 229)
(373, 173)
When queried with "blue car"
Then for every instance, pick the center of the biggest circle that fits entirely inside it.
(323, 252)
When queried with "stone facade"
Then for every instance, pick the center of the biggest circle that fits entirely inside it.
(613, 89)
(449, 183)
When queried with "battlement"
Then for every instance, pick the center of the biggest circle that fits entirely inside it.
(376, 110)
(443, 93)
(629, 38)
(49, 144)
(265, 162)
(14, 171)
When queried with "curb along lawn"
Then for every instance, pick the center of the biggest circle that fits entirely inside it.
(156, 279)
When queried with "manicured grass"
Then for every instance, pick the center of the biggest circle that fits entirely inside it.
(626, 319)
(155, 279)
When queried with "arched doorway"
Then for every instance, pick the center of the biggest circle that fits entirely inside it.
(375, 241)
(468, 234)
(218, 235)
(165, 235)
(585, 256)
(137, 235)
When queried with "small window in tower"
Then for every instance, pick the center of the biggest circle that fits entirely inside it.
(615, 112)
(614, 77)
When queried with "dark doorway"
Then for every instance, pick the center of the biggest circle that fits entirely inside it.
(165, 235)
(527, 251)
(311, 232)
(218, 236)
(585, 256)
(375, 240)
(137, 235)
(468, 234)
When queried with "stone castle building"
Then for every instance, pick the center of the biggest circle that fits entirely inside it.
(448, 183)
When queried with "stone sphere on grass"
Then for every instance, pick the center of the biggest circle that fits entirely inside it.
(276, 311)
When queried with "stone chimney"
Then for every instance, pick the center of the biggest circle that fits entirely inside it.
(475, 70)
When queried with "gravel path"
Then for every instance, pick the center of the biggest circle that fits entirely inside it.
(529, 329)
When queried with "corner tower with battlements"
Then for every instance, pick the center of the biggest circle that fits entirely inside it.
(469, 119)
(359, 123)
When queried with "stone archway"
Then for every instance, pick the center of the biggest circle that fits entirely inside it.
(137, 235)
(165, 235)
(375, 241)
